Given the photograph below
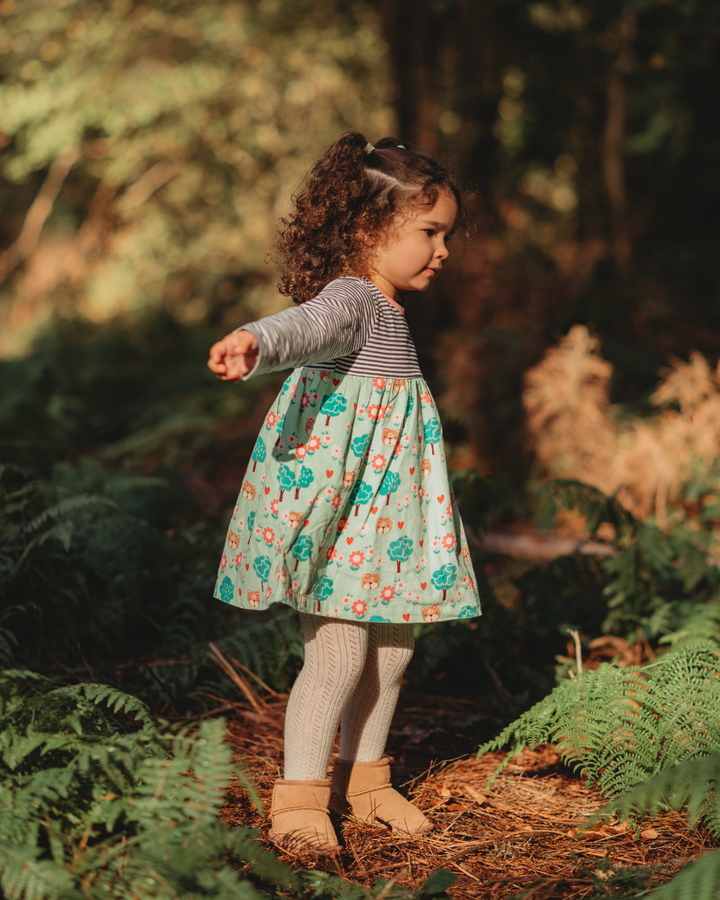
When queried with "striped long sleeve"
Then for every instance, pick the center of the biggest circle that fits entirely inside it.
(338, 322)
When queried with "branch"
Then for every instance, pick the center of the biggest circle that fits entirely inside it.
(148, 183)
(37, 215)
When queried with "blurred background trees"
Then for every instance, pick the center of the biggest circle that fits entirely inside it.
(148, 150)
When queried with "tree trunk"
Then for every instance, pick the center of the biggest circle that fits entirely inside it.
(613, 155)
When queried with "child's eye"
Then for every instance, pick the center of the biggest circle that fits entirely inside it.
(429, 231)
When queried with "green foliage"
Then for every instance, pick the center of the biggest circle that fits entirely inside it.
(652, 573)
(191, 123)
(92, 808)
(96, 802)
(619, 727)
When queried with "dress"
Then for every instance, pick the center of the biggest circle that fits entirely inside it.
(346, 508)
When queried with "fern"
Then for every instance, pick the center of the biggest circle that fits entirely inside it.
(648, 580)
(646, 737)
(694, 786)
(91, 807)
(619, 727)
(698, 881)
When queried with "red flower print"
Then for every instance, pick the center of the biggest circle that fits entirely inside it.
(331, 553)
(379, 384)
(356, 558)
(448, 541)
(271, 420)
(342, 523)
(305, 402)
(268, 535)
(223, 561)
(387, 593)
(359, 608)
(374, 411)
(336, 501)
(378, 462)
(274, 507)
(313, 444)
(301, 451)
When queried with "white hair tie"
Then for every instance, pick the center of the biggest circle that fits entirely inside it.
(369, 147)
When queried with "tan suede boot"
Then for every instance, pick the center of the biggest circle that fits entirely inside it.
(364, 789)
(300, 818)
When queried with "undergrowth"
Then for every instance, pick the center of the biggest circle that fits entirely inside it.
(97, 802)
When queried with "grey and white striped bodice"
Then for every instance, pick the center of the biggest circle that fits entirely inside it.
(350, 327)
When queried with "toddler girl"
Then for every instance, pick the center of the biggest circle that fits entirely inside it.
(346, 512)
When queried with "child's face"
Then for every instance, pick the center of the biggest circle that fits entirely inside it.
(414, 249)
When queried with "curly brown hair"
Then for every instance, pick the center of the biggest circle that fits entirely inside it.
(350, 197)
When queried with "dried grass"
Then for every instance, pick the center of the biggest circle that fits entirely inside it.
(499, 841)
(647, 463)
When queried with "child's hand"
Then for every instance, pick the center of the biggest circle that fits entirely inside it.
(234, 356)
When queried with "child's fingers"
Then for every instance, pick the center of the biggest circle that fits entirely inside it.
(233, 356)
(216, 360)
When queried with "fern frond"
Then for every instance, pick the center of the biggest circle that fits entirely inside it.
(618, 727)
(698, 881)
(693, 784)
(117, 700)
(25, 877)
(68, 506)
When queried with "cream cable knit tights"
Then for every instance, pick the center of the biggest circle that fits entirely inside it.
(352, 670)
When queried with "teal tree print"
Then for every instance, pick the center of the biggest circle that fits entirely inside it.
(302, 548)
(226, 590)
(305, 479)
(362, 493)
(400, 550)
(432, 434)
(286, 479)
(333, 405)
(390, 483)
(359, 445)
(444, 578)
(251, 525)
(323, 590)
(262, 569)
(259, 452)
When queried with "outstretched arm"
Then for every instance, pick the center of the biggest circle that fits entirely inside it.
(337, 322)
(234, 356)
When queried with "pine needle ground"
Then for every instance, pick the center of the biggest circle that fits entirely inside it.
(522, 834)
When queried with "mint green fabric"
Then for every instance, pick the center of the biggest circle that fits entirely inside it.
(346, 508)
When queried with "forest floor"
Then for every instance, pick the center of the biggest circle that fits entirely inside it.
(523, 833)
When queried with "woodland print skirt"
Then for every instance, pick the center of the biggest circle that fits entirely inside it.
(346, 508)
